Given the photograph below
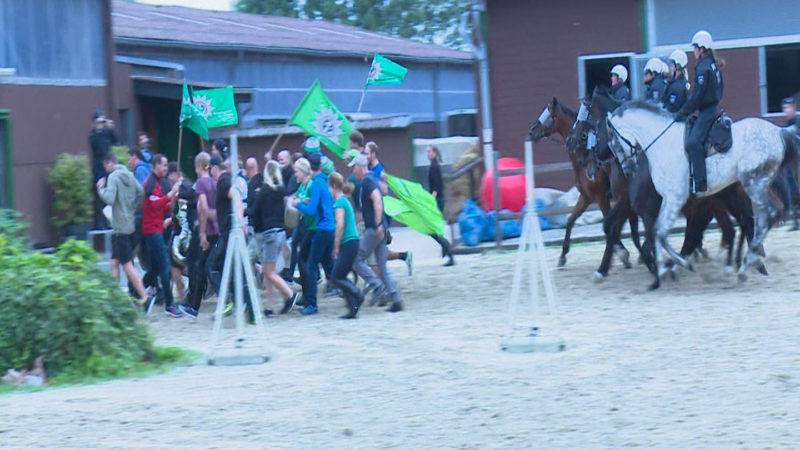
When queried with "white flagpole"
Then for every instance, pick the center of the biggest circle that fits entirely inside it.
(364, 92)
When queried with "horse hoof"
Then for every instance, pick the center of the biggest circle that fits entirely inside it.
(673, 275)
(762, 269)
(562, 260)
(656, 284)
(598, 277)
(689, 266)
(742, 277)
(626, 260)
(704, 254)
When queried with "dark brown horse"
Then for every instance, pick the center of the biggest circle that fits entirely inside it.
(558, 119)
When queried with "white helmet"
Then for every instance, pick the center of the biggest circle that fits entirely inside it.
(620, 71)
(679, 58)
(702, 39)
(664, 68)
(653, 65)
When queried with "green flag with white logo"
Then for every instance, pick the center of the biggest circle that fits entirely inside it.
(217, 106)
(191, 115)
(385, 71)
(318, 116)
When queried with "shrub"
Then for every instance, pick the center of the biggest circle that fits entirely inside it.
(67, 310)
(71, 180)
(14, 228)
(122, 154)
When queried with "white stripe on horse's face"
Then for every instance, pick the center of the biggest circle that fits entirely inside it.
(544, 116)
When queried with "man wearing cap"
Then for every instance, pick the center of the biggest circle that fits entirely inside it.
(220, 149)
(320, 205)
(374, 238)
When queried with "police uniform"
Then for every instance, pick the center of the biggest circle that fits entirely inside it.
(705, 97)
(620, 93)
(655, 89)
(675, 95)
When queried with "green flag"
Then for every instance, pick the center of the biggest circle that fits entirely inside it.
(414, 206)
(385, 71)
(191, 116)
(217, 106)
(317, 115)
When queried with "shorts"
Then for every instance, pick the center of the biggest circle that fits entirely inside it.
(122, 247)
(272, 244)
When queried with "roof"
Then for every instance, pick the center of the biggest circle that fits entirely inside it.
(136, 23)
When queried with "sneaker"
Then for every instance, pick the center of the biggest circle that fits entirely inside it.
(377, 295)
(267, 312)
(228, 309)
(409, 257)
(309, 310)
(450, 262)
(333, 292)
(188, 310)
(288, 304)
(173, 311)
(147, 306)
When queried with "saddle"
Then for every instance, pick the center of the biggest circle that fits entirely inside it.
(720, 137)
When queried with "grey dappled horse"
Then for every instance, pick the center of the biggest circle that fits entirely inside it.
(758, 151)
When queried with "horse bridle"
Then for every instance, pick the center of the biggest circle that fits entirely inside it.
(637, 149)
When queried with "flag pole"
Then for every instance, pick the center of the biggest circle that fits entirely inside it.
(180, 140)
(277, 139)
(363, 94)
(202, 144)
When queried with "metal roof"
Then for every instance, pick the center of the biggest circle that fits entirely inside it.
(135, 23)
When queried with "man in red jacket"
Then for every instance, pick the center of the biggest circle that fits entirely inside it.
(158, 200)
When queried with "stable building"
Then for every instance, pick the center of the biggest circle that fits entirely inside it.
(541, 50)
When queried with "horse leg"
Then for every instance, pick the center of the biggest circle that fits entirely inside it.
(611, 226)
(762, 211)
(580, 207)
(666, 217)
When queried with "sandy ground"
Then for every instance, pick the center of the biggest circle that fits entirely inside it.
(702, 363)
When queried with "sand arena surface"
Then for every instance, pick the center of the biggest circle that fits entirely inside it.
(702, 363)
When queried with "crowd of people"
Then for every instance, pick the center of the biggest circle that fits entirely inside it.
(298, 214)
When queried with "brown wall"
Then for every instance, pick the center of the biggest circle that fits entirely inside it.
(533, 54)
(740, 78)
(45, 121)
(394, 144)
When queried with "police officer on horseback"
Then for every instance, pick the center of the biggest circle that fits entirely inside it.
(704, 98)
(656, 84)
(619, 91)
(677, 88)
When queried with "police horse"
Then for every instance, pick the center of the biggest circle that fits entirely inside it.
(758, 150)
(559, 119)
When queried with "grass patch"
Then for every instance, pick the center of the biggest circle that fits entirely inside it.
(163, 360)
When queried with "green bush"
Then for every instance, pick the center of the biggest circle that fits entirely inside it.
(122, 154)
(67, 310)
(71, 180)
(14, 228)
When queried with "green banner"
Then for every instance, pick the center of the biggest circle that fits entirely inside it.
(318, 116)
(191, 115)
(385, 71)
(217, 106)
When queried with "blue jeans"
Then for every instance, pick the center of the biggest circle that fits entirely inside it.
(159, 265)
(320, 252)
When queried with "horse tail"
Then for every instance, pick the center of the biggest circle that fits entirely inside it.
(791, 145)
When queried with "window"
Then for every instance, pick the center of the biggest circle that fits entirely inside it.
(594, 70)
(782, 67)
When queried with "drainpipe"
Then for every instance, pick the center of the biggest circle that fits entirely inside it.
(108, 46)
(479, 48)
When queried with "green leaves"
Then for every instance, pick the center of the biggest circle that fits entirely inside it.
(67, 310)
(71, 181)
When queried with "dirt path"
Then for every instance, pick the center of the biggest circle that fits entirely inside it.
(702, 363)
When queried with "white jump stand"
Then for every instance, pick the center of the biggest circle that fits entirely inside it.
(530, 331)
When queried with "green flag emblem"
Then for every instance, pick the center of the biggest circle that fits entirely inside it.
(217, 106)
(191, 115)
(318, 116)
(385, 71)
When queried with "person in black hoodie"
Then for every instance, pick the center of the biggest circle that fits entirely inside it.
(267, 211)
(101, 137)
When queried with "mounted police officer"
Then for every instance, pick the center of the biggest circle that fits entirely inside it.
(656, 84)
(619, 91)
(677, 89)
(704, 98)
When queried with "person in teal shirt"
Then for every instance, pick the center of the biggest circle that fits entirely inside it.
(345, 245)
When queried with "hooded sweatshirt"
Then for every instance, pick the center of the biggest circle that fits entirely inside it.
(125, 195)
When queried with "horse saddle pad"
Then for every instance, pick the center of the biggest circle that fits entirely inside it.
(720, 138)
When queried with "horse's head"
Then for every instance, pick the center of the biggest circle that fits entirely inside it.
(582, 139)
(621, 147)
(543, 127)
